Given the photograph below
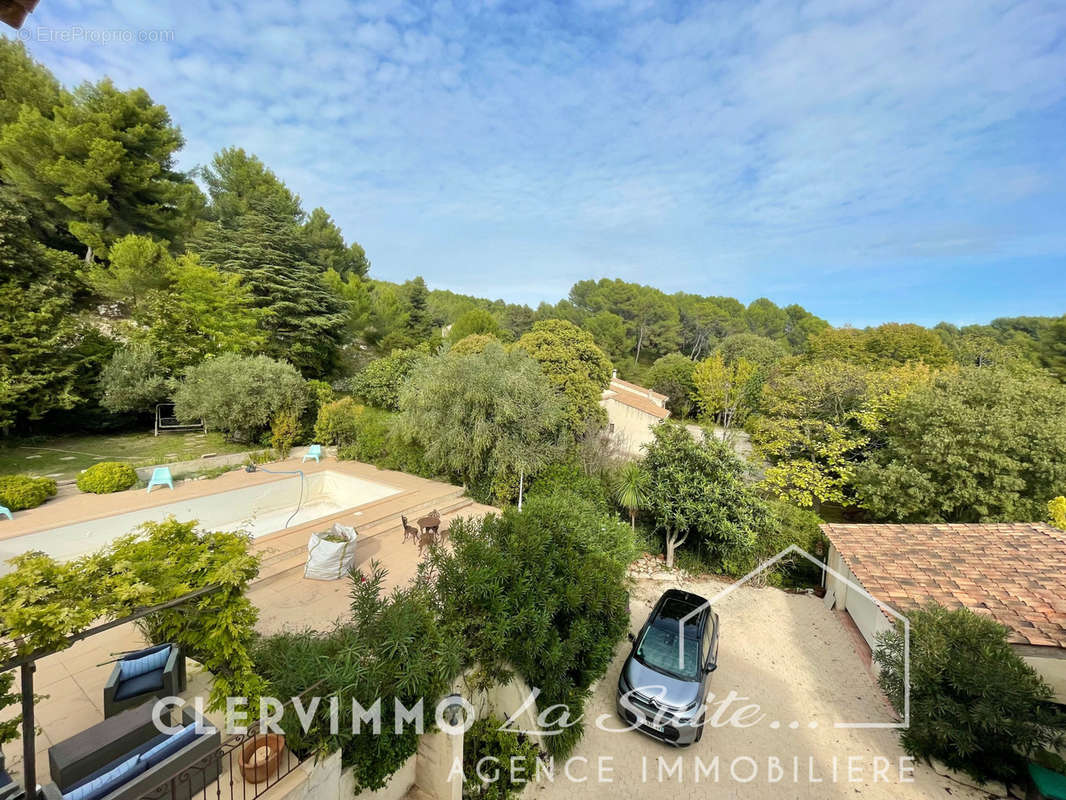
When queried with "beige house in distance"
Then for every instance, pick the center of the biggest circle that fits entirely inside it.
(632, 413)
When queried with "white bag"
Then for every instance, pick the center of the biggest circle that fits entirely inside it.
(328, 561)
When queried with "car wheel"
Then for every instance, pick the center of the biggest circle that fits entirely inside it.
(699, 733)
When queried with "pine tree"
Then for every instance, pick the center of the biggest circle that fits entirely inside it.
(24, 82)
(44, 350)
(101, 167)
(304, 321)
(328, 250)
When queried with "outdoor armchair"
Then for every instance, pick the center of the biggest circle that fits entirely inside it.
(155, 672)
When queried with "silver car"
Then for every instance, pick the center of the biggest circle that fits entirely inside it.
(663, 685)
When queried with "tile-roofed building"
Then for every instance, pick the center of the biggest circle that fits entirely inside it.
(633, 412)
(1014, 573)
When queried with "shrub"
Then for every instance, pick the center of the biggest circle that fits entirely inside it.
(380, 381)
(474, 343)
(508, 759)
(132, 380)
(19, 492)
(338, 422)
(543, 591)
(975, 704)
(107, 477)
(283, 432)
(788, 525)
(240, 395)
(423, 659)
(569, 477)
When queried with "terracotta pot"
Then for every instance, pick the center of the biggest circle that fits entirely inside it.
(255, 768)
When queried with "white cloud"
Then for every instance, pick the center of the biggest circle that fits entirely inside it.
(703, 145)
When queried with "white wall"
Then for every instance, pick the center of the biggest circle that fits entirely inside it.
(1053, 670)
(868, 617)
(632, 427)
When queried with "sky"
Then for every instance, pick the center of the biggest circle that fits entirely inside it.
(873, 161)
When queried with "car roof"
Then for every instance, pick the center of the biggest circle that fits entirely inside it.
(677, 603)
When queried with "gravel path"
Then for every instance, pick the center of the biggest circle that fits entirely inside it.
(796, 661)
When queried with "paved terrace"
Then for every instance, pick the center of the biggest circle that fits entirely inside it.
(73, 680)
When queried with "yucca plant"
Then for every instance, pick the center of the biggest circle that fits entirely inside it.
(631, 490)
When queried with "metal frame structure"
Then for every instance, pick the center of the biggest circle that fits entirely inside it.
(27, 664)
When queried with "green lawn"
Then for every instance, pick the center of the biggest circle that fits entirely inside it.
(65, 457)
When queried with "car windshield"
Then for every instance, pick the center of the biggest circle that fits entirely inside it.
(660, 647)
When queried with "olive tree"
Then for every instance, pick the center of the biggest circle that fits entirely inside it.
(483, 415)
(239, 395)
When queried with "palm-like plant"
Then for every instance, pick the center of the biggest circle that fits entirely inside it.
(631, 490)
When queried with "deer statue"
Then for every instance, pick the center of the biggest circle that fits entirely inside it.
(409, 531)
(427, 538)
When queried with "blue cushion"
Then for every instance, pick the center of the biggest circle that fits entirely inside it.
(143, 684)
(169, 746)
(108, 782)
(156, 658)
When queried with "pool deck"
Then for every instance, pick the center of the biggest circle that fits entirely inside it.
(73, 679)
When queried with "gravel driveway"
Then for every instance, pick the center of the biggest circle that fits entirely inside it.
(796, 661)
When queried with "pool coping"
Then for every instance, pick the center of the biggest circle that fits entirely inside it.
(84, 507)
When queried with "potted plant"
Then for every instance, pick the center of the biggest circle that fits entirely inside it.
(260, 756)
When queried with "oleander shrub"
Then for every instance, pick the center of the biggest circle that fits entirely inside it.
(423, 658)
(107, 477)
(497, 762)
(975, 704)
(19, 492)
(543, 592)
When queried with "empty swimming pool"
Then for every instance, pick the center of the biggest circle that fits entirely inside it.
(260, 509)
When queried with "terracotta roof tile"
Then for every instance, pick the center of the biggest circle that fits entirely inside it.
(637, 402)
(1012, 572)
(635, 388)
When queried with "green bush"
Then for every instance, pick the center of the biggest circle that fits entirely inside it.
(107, 477)
(423, 659)
(788, 525)
(974, 703)
(283, 432)
(19, 492)
(543, 591)
(240, 395)
(338, 422)
(379, 383)
(508, 760)
(569, 477)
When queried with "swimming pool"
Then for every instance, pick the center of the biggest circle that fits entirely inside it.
(260, 509)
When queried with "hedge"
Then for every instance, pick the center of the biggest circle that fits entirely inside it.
(19, 492)
(107, 477)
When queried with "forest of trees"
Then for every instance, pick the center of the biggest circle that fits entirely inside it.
(119, 274)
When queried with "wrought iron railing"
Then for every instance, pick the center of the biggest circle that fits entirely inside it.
(217, 775)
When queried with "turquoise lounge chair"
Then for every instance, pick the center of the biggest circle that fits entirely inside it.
(161, 477)
(6, 511)
(314, 451)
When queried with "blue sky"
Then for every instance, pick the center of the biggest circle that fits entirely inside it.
(870, 160)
